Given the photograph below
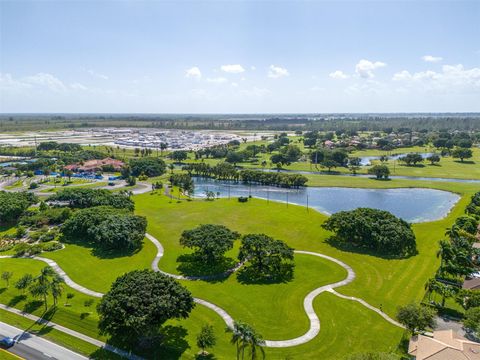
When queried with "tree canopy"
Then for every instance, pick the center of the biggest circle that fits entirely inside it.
(209, 241)
(139, 302)
(416, 317)
(373, 229)
(14, 204)
(84, 198)
(149, 166)
(267, 257)
(106, 227)
(380, 171)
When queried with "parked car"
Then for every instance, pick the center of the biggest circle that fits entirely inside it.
(7, 342)
(475, 274)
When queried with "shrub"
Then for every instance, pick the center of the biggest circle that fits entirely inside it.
(85, 198)
(52, 246)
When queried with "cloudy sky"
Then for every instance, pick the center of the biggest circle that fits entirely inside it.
(239, 56)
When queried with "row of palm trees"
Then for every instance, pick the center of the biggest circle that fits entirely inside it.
(48, 282)
(247, 341)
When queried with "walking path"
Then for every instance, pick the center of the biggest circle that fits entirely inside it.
(307, 302)
(71, 332)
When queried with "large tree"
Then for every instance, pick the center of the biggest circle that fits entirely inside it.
(14, 204)
(471, 321)
(266, 255)
(106, 227)
(380, 171)
(84, 198)
(139, 302)
(373, 229)
(462, 154)
(416, 317)
(150, 166)
(209, 241)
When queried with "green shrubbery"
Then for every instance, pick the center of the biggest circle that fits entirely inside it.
(14, 204)
(85, 198)
(106, 227)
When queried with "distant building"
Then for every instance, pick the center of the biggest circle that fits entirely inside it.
(95, 165)
(444, 345)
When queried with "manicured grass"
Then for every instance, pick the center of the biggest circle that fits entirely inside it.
(276, 310)
(448, 167)
(61, 187)
(346, 328)
(6, 355)
(98, 272)
(69, 316)
(58, 337)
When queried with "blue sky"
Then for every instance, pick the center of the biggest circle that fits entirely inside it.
(239, 56)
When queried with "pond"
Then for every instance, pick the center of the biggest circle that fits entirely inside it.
(410, 204)
(367, 160)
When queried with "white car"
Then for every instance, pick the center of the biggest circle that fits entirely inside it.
(475, 274)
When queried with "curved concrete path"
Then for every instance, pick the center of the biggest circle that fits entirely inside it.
(314, 328)
(307, 302)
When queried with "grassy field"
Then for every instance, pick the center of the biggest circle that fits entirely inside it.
(448, 167)
(274, 309)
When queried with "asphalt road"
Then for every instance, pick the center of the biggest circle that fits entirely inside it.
(32, 347)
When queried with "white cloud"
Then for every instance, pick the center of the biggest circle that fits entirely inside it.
(365, 68)
(256, 92)
(46, 80)
(276, 72)
(338, 74)
(234, 84)
(217, 80)
(431, 59)
(8, 83)
(450, 78)
(193, 72)
(253, 68)
(97, 75)
(78, 86)
(232, 68)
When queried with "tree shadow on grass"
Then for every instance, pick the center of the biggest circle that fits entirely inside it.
(100, 252)
(249, 275)
(2, 290)
(195, 266)
(207, 356)
(16, 299)
(468, 162)
(346, 247)
(33, 305)
(168, 343)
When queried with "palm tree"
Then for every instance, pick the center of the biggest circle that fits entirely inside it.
(56, 287)
(40, 290)
(256, 343)
(42, 285)
(452, 232)
(244, 336)
(171, 167)
(240, 333)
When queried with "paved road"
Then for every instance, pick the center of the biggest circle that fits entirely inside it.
(33, 347)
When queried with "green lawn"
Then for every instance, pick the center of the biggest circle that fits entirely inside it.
(446, 168)
(69, 316)
(98, 272)
(276, 310)
(60, 338)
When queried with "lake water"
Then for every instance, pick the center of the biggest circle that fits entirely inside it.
(366, 160)
(413, 205)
